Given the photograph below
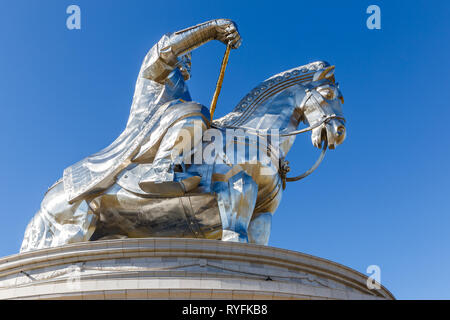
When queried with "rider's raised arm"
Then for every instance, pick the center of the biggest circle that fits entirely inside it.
(188, 39)
(163, 57)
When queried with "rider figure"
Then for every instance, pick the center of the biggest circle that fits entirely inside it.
(169, 64)
(161, 109)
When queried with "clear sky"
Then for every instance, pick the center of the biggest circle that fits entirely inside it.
(382, 198)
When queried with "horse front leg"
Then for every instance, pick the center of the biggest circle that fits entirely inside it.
(261, 223)
(236, 198)
(259, 228)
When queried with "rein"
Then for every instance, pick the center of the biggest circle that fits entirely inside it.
(283, 164)
(284, 167)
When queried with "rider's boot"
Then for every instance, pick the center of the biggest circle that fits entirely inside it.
(169, 188)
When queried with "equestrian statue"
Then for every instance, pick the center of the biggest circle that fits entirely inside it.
(176, 172)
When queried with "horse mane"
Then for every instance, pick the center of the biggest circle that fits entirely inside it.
(268, 88)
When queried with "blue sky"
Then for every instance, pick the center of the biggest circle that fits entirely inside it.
(381, 198)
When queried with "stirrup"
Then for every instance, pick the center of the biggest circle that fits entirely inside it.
(170, 188)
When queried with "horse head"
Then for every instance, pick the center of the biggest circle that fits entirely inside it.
(322, 104)
(306, 94)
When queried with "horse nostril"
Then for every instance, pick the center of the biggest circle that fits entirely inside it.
(340, 130)
(340, 134)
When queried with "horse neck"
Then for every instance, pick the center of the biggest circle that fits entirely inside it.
(277, 115)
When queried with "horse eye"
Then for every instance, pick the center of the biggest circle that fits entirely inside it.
(327, 93)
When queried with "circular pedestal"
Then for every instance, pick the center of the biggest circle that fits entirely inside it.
(164, 268)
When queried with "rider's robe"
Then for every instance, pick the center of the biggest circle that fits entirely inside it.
(155, 107)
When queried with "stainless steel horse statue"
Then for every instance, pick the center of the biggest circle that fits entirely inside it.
(175, 173)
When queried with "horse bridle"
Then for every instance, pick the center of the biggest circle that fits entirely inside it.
(284, 165)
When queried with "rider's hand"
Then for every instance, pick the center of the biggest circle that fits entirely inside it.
(227, 32)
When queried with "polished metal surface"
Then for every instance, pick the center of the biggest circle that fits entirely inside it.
(169, 141)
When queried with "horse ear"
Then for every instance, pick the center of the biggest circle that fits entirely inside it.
(328, 73)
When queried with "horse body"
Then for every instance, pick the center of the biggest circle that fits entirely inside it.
(223, 207)
(235, 199)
